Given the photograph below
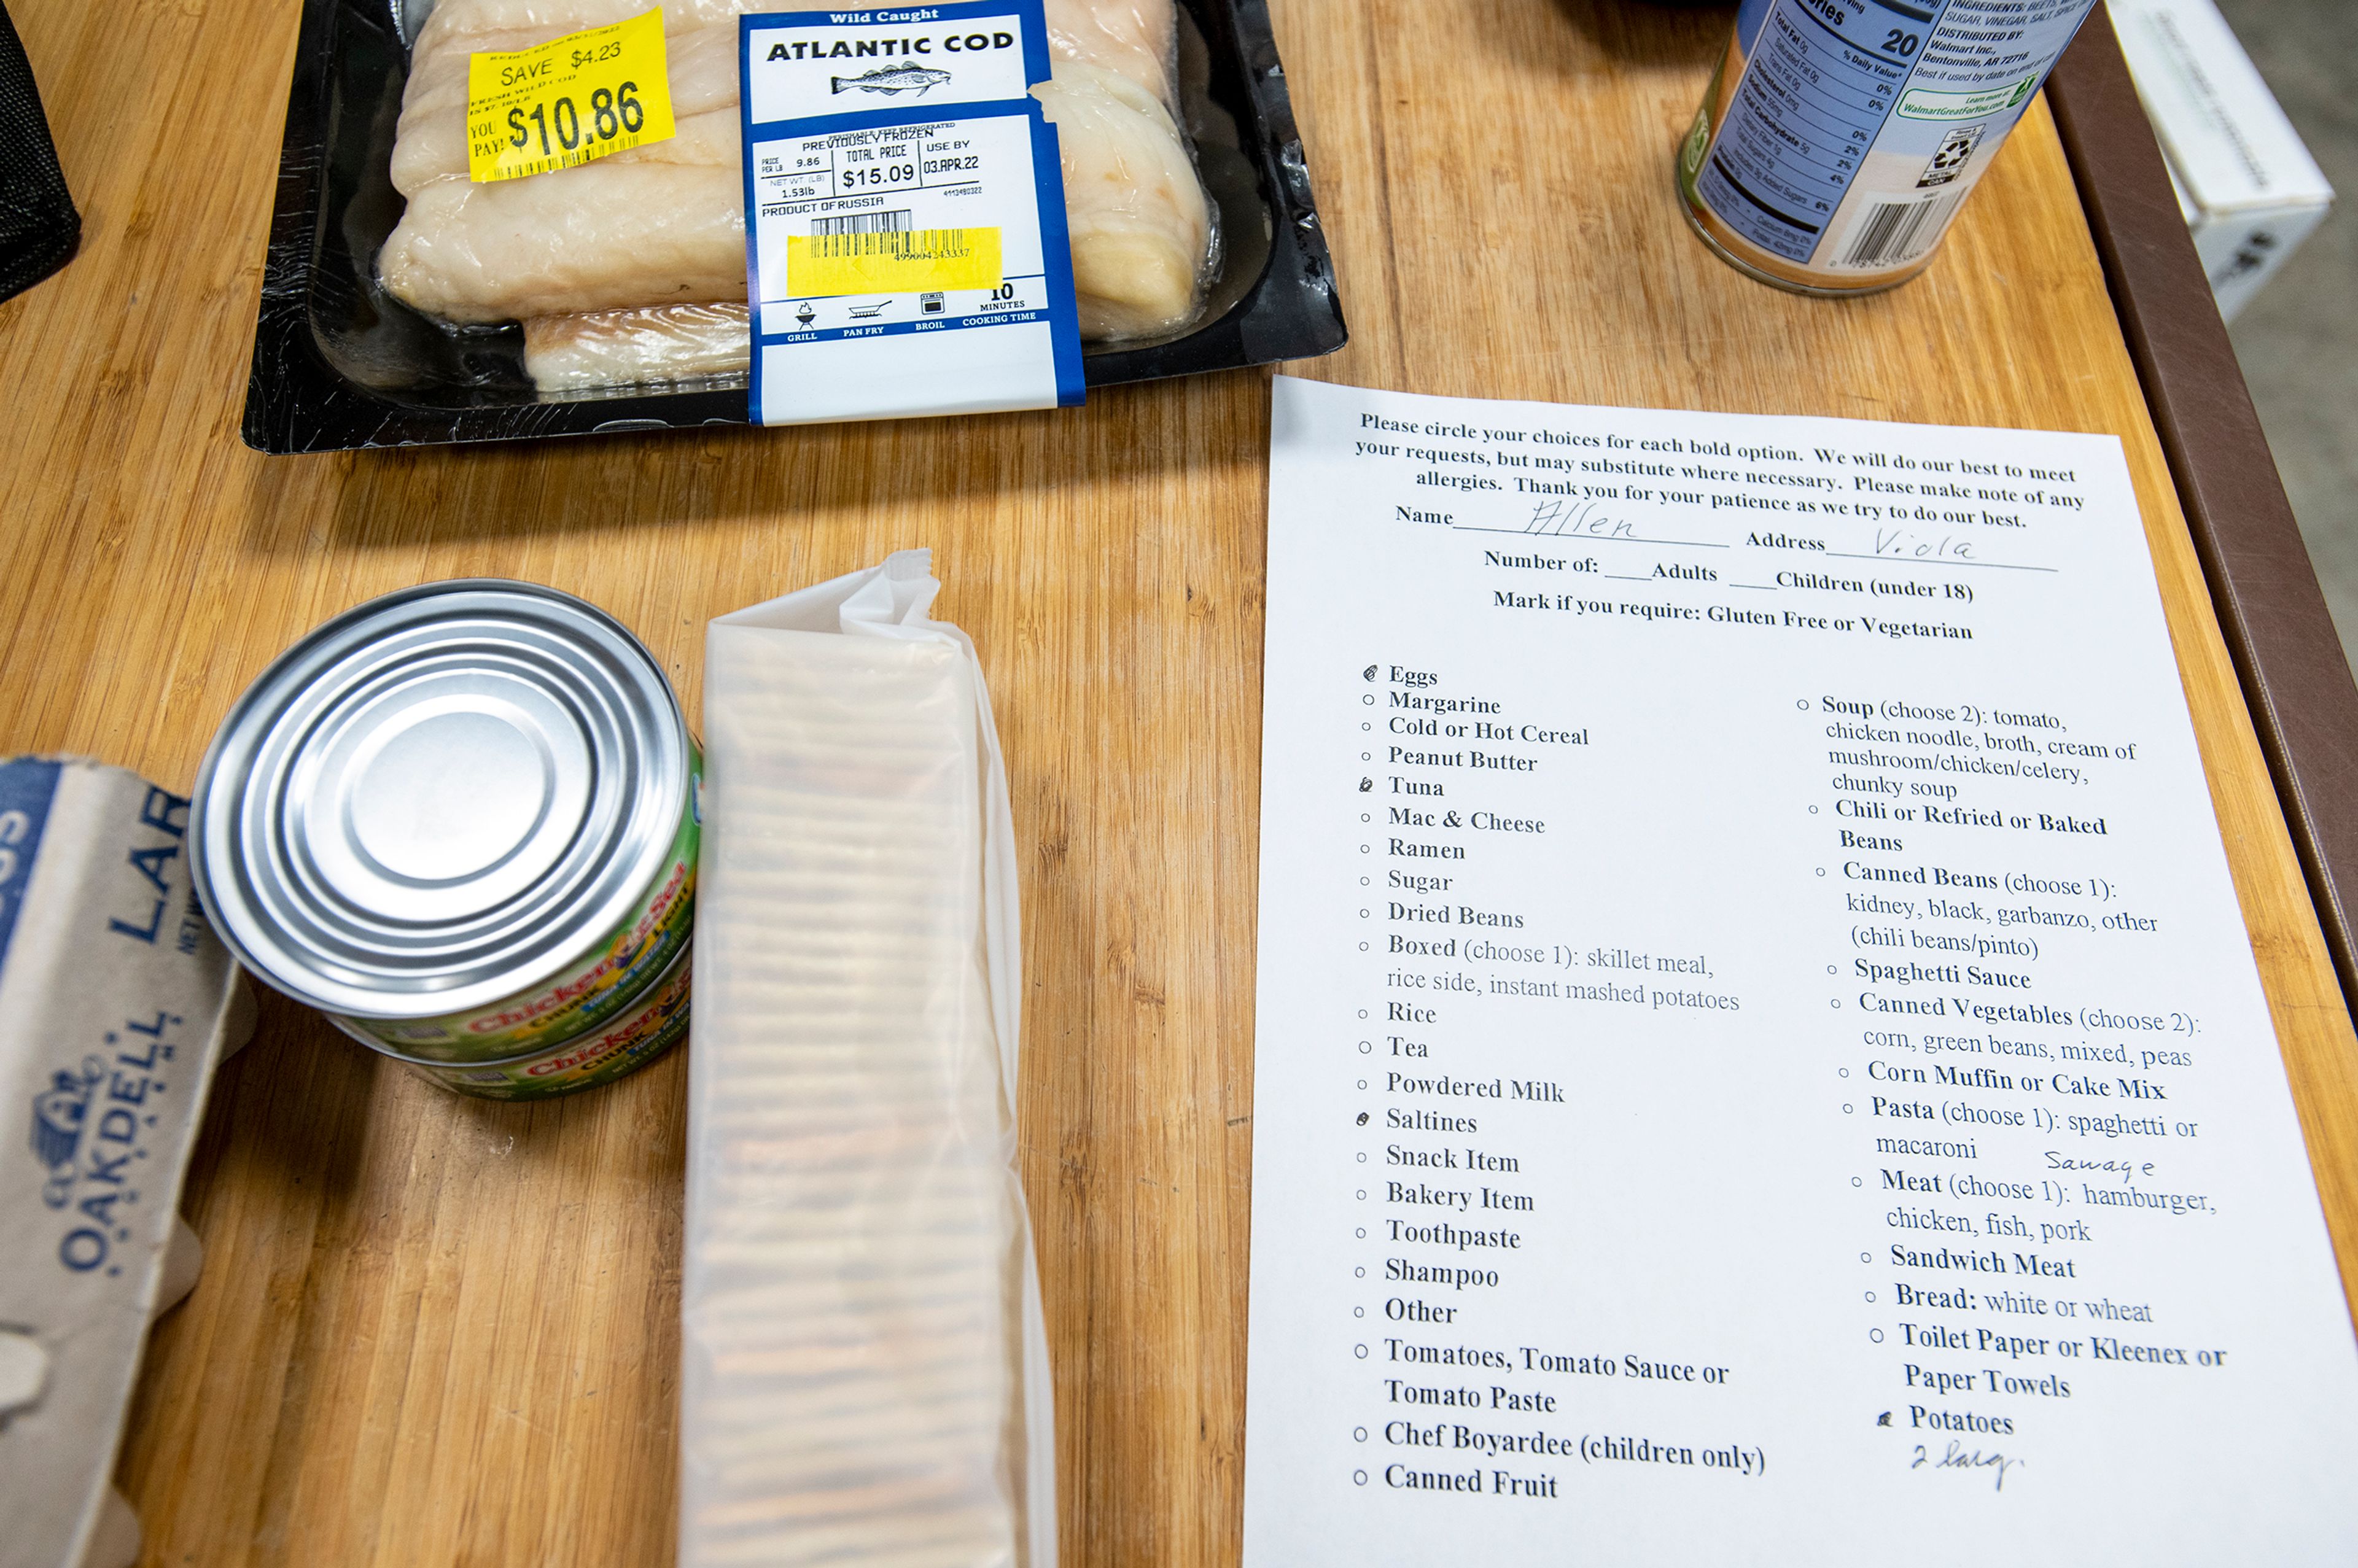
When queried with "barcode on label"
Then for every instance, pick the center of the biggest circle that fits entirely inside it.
(1895, 231)
(881, 261)
(893, 222)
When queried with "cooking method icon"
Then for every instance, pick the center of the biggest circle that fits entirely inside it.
(868, 313)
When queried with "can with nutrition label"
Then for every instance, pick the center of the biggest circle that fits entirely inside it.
(1840, 137)
(461, 820)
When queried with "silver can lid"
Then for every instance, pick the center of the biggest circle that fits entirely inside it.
(440, 798)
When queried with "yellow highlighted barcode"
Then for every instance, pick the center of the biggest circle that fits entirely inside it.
(891, 260)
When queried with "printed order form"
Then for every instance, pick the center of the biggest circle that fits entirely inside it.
(1758, 1056)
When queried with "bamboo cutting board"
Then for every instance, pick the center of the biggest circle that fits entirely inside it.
(435, 1330)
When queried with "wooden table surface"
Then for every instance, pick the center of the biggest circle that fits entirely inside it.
(436, 1331)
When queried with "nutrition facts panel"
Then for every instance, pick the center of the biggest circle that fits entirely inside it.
(1825, 75)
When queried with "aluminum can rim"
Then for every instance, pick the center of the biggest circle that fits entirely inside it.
(440, 798)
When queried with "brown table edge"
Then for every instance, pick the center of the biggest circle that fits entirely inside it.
(2287, 656)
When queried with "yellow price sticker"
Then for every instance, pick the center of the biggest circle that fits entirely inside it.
(568, 101)
(891, 260)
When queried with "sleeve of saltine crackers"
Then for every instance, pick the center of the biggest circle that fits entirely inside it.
(115, 1002)
(865, 1375)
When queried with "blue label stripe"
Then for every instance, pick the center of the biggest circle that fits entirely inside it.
(900, 329)
(27, 787)
(745, 30)
(1057, 255)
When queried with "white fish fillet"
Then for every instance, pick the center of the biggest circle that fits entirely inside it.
(613, 348)
(599, 237)
(1130, 38)
(628, 239)
(1139, 220)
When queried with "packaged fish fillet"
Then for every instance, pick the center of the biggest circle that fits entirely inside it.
(581, 263)
(613, 227)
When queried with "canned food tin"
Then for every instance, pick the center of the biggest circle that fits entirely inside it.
(1840, 137)
(658, 1022)
(609, 979)
(460, 819)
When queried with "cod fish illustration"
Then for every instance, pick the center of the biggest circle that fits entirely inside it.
(892, 79)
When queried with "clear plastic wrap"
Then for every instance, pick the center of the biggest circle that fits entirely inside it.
(666, 342)
(664, 225)
(1141, 226)
(1136, 38)
(864, 1366)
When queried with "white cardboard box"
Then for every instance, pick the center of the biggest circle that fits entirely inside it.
(2249, 189)
(116, 1000)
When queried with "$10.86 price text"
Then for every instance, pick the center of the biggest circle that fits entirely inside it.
(611, 114)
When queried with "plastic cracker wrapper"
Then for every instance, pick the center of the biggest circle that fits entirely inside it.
(865, 1374)
(116, 1000)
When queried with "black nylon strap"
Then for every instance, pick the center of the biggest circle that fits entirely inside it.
(38, 225)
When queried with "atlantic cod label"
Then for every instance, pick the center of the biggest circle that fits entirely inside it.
(905, 244)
